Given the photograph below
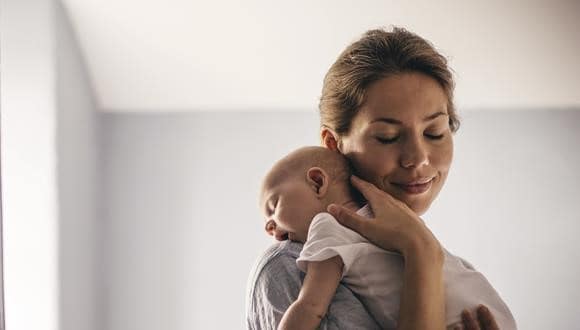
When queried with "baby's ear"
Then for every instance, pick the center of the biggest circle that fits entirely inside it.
(318, 180)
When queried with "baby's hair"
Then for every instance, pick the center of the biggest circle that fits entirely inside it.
(335, 164)
(295, 165)
(298, 162)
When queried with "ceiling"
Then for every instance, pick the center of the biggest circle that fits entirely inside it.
(178, 55)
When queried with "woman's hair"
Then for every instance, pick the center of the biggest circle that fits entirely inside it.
(379, 54)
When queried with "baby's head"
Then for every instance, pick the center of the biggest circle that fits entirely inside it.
(301, 185)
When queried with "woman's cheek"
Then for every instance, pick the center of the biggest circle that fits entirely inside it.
(445, 155)
(377, 165)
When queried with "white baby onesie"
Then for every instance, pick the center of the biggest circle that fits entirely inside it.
(376, 275)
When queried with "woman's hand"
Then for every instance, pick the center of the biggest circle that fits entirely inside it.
(484, 320)
(395, 226)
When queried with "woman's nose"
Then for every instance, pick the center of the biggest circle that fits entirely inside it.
(414, 153)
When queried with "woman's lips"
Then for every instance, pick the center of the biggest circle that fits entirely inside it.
(414, 188)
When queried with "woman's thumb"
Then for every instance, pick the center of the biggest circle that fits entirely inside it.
(347, 218)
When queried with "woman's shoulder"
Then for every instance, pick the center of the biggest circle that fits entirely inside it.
(277, 259)
(280, 250)
(273, 284)
(452, 257)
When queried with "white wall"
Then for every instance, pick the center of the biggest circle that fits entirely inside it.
(30, 210)
(176, 55)
(78, 167)
(49, 167)
(182, 228)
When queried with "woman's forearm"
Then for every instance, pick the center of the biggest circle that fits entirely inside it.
(423, 296)
(300, 315)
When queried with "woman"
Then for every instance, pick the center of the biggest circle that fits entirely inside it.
(387, 105)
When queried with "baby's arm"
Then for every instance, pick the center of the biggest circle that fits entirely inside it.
(320, 283)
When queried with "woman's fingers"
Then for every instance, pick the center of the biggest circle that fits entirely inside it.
(349, 218)
(459, 326)
(374, 195)
(486, 319)
(469, 321)
(371, 193)
(394, 226)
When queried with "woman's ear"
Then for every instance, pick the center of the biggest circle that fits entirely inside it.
(318, 180)
(330, 139)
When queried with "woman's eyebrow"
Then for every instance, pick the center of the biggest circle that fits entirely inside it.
(398, 122)
(435, 115)
(387, 120)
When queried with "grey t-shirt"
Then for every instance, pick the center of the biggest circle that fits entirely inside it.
(274, 284)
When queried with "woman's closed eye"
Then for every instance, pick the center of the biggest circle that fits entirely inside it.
(436, 132)
(434, 136)
(387, 140)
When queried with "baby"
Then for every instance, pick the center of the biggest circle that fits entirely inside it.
(294, 197)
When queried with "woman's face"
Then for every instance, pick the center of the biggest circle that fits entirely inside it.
(400, 139)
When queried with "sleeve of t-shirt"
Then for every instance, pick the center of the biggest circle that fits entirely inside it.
(472, 288)
(276, 287)
(466, 264)
(328, 238)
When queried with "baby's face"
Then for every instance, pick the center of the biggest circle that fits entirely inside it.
(289, 206)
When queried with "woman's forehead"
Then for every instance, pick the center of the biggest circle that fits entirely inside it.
(399, 99)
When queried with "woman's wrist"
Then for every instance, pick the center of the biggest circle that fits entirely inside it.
(424, 248)
(423, 295)
(423, 298)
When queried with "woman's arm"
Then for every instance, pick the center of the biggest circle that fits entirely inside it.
(318, 288)
(396, 227)
(423, 294)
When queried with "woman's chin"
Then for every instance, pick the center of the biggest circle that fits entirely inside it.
(420, 209)
(417, 199)
(417, 203)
